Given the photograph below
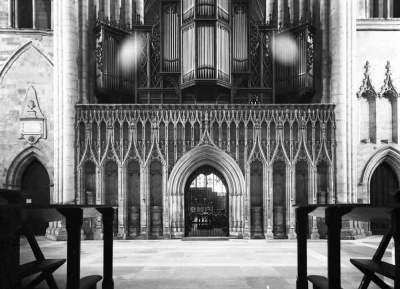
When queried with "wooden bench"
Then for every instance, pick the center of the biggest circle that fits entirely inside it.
(319, 282)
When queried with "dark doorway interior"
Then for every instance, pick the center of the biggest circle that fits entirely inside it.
(206, 204)
(35, 186)
(382, 187)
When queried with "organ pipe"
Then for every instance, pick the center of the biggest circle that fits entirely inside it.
(188, 53)
(206, 47)
(240, 40)
(171, 39)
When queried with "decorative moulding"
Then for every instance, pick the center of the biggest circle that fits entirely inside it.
(367, 89)
(388, 89)
(378, 24)
(32, 121)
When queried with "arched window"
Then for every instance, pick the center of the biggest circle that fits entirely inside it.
(34, 14)
(383, 8)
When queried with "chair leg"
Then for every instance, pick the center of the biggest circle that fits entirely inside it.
(372, 276)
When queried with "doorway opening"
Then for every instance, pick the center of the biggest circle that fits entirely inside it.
(35, 188)
(383, 185)
(206, 204)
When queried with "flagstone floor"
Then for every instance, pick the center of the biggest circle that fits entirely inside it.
(241, 264)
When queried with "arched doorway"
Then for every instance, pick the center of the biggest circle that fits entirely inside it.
(206, 204)
(35, 187)
(382, 187)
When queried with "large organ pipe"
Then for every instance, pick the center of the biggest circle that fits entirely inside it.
(171, 41)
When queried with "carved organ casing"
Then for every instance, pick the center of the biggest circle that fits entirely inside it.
(195, 51)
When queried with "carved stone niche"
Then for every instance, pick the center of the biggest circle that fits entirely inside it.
(33, 125)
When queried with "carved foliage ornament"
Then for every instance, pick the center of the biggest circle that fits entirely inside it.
(155, 58)
(255, 40)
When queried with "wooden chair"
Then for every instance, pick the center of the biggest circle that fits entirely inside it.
(369, 267)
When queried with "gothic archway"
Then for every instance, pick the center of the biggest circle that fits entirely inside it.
(19, 162)
(390, 156)
(383, 185)
(231, 172)
(206, 203)
(35, 188)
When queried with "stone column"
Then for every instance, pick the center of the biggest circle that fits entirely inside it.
(325, 62)
(269, 235)
(290, 201)
(166, 203)
(66, 82)
(122, 204)
(97, 227)
(338, 81)
(67, 29)
(144, 201)
(342, 29)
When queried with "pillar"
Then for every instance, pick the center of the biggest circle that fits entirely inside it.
(66, 96)
(270, 199)
(290, 201)
(342, 30)
(165, 203)
(122, 204)
(144, 201)
(338, 41)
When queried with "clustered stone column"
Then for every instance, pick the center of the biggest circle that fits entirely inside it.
(66, 96)
(341, 40)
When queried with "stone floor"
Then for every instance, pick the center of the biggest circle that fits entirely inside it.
(240, 264)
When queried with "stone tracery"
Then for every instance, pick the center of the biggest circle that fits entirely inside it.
(267, 133)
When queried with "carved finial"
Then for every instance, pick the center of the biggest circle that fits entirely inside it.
(388, 67)
(388, 89)
(367, 66)
(367, 89)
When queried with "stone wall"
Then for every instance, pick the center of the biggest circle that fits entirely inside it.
(25, 62)
(377, 127)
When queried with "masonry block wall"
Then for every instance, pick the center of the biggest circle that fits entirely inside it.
(377, 114)
(25, 63)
